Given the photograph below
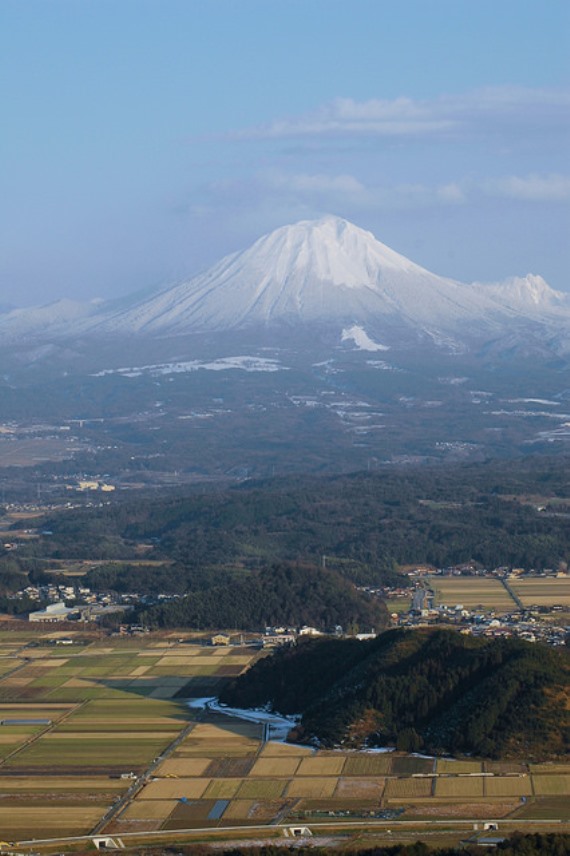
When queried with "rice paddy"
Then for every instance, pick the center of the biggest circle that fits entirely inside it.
(88, 721)
(472, 593)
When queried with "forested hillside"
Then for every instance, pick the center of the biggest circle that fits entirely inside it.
(433, 690)
(510, 513)
(290, 595)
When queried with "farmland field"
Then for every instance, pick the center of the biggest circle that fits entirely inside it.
(542, 591)
(109, 713)
(471, 592)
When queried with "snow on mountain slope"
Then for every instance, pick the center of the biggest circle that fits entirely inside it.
(324, 270)
(51, 318)
(361, 339)
(527, 294)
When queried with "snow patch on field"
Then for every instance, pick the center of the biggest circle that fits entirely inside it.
(244, 363)
(278, 727)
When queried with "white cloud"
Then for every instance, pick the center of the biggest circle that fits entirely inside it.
(318, 183)
(535, 188)
(451, 193)
(481, 111)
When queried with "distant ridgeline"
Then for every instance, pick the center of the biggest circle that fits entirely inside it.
(432, 690)
(497, 513)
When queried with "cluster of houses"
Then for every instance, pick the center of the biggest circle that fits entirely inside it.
(528, 624)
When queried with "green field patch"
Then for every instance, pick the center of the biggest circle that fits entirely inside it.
(406, 765)
(545, 808)
(59, 753)
(398, 605)
(261, 789)
(49, 680)
(224, 789)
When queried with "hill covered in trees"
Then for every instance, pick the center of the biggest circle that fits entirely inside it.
(432, 690)
(367, 524)
(291, 595)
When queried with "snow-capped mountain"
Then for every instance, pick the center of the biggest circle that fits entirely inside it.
(325, 272)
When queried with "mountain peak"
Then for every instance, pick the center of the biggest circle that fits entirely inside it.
(324, 272)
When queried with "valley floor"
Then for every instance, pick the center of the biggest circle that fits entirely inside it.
(97, 737)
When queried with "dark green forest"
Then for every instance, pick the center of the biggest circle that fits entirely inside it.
(366, 524)
(433, 690)
(287, 594)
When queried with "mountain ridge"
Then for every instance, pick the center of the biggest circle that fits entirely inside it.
(327, 272)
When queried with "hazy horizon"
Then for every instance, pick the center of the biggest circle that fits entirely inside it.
(143, 141)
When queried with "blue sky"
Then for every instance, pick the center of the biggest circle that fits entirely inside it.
(142, 140)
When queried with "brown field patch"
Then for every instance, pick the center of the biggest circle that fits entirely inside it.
(321, 766)
(471, 592)
(564, 769)
(448, 765)
(230, 767)
(459, 787)
(39, 820)
(315, 787)
(238, 809)
(34, 711)
(149, 810)
(435, 808)
(546, 785)
(507, 786)
(175, 789)
(275, 767)
(361, 789)
(183, 767)
(542, 591)
(501, 767)
(106, 735)
(229, 671)
(362, 764)
(405, 788)
(190, 814)
(48, 784)
(17, 681)
(274, 749)
(264, 811)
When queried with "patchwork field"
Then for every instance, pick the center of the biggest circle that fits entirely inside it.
(542, 591)
(82, 726)
(471, 592)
